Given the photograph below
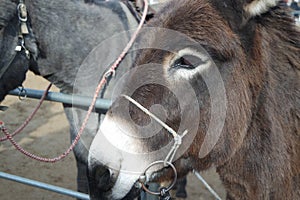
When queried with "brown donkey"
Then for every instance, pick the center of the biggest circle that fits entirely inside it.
(228, 73)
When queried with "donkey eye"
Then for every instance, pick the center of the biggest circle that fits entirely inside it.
(188, 62)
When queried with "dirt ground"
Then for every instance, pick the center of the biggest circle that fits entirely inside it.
(48, 135)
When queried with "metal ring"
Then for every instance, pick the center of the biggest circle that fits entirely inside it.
(21, 18)
(109, 73)
(170, 186)
(22, 93)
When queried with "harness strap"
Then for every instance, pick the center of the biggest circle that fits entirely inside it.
(23, 30)
(136, 8)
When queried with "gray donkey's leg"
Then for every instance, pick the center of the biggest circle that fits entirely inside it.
(75, 117)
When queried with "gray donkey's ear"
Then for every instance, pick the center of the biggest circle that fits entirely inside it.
(258, 7)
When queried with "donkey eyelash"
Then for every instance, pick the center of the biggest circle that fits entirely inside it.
(188, 62)
(188, 57)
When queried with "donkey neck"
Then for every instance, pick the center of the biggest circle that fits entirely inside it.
(67, 34)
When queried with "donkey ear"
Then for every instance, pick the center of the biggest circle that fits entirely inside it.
(258, 7)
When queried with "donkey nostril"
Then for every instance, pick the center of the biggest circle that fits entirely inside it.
(104, 178)
(101, 179)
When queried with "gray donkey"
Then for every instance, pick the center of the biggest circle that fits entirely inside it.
(61, 34)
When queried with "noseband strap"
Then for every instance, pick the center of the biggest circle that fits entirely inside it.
(164, 192)
(177, 138)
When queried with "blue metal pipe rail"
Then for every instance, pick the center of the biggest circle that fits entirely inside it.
(44, 186)
(297, 12)
(101, 105)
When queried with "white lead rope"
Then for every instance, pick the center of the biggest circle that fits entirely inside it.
(176, 136)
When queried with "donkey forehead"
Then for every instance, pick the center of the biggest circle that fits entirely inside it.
(214, 21)
(200, 21)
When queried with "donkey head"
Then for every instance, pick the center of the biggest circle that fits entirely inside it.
(193, 73)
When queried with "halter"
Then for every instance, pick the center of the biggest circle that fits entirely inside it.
(22, 15)
(167, 162)
(22, 32)
(170, 156)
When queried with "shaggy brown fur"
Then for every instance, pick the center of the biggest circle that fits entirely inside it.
(258, 153)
